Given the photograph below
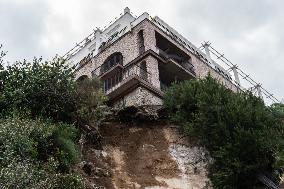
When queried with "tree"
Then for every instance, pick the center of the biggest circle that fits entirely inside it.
(43, 88)
(2, 54)
(242, 135)
(48, 89)
(278, 109)
(38, 145)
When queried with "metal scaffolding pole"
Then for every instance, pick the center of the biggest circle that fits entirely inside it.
(236, 75)
(238, 72)
(207, 51)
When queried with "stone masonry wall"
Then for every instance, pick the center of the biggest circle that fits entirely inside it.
(153, 68)
(128, 47)
(138, 97)
(201, 68)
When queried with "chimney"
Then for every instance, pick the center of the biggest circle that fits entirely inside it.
(126, 10)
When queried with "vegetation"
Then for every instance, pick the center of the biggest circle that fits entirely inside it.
(31, 151)
(90, 102)
(42, 110)
(278, 110)
(243, 136)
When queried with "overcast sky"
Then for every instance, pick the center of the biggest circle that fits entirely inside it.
(249, 32)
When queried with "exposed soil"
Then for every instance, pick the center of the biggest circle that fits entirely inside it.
(144, 155)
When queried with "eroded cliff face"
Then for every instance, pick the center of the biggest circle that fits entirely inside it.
(144, 155)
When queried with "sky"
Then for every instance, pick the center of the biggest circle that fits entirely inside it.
(249, 32)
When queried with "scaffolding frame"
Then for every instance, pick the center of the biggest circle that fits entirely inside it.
(256, 88)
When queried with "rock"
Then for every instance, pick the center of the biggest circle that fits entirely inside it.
(104, 154)
(87, 168)
(90, 169)
(101, 172)
(142, 113)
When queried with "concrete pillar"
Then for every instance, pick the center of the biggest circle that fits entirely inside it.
(207, 52)
(236, 75)
(259, 92)
(126, 10)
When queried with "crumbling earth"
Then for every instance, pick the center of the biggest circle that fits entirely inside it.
(151, 155)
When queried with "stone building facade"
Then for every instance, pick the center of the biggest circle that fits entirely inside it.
(137, 58)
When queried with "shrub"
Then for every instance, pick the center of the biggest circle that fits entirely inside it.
(243, 136)
(48, 89)
(66, 151)
(90, 106)
(29, 154)
(43, 88)
(278, 110)
(37, 151)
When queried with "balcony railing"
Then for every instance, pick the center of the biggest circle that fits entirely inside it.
(122, 76)
(184, 63)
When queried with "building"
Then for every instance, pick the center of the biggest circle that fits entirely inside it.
(137, 58)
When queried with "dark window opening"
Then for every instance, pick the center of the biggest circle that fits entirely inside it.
(143, 70)
(141, 42)
(82, 78)
(112, 81)
(111, 61)
(167, 77)
(168, 50)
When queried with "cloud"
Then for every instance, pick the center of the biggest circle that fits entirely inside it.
(250, 33)
(21, 26)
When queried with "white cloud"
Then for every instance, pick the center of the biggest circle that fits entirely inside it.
(250, 33)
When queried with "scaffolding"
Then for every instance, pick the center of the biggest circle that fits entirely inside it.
(87, 40)
(256, 88)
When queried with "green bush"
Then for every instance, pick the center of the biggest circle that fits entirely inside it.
(48, 89)
(278, 110)
(38, 145)
(65, 149)
(243, 136)
(44, 88)
(29, 154)
(90, 106)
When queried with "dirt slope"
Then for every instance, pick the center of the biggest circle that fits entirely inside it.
(145, 155)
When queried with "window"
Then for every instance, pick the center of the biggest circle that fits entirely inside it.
(112, 81)
(82, 78)
(143, 70)
(111, 61)
(141, 42)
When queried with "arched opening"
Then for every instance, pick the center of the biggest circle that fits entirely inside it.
(82, 78)
(111, 61)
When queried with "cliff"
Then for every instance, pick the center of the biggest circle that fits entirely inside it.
(151, 155)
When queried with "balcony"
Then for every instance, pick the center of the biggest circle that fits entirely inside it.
(113, 61)
(179, 62)
(119, 80)
(171, 53)
(113, 82)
